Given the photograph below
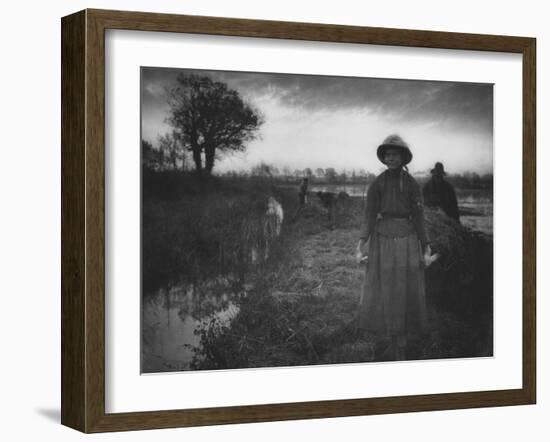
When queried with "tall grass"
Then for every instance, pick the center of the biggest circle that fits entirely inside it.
(301, 310)
(204, 230)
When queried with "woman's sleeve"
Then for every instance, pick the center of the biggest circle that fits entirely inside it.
(418, 214)
(371, 211)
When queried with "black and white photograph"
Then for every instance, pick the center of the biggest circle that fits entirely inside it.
(301, 220)
(248, 221)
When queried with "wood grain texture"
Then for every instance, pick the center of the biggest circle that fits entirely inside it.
(83, 220)
(308, 410)
(73, 129)
(306, 31)
(95, 222)
(529, 220)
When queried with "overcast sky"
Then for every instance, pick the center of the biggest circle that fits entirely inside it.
(324, 121)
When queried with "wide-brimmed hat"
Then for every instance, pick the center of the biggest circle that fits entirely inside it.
(395, 142)
(438, 169)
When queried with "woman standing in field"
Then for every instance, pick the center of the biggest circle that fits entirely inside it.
(393, 245)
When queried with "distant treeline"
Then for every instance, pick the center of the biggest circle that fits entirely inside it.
(160, 160)
(471, 180)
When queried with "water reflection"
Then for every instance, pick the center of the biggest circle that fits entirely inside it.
(173, 317)
(350, 189)
(170, 319)
(476, 209)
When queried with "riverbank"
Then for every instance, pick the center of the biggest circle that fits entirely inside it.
(206, 229)
(300, 309)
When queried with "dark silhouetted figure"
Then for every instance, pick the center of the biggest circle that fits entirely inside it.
(303, 192)
(302, 198)
(440, 193)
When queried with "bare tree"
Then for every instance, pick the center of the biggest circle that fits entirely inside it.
(320, 173)
(151, 158)
(172, 151)
(287, 173)
(330, 174)
(264, 170)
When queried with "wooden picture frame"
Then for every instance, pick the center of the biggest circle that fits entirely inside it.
(83, 220)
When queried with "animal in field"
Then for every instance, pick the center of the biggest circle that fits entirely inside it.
(333, 202)
(264, 230)
(328, 199)
(343, 199)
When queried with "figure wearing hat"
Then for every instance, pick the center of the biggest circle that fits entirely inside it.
(395, 247)
(440, 193)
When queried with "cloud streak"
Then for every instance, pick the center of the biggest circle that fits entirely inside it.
(427, 110)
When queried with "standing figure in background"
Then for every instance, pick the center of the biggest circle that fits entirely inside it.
(303, 192)
(440, 193)
(394, 246)
(302, 198)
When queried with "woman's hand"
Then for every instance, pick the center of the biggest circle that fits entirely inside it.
(360, 258)
(428, 258)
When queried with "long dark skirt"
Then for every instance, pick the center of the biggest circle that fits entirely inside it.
(393, 299)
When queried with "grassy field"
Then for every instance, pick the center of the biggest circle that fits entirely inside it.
(300, 304)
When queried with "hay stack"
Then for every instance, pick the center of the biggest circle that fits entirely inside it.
(461, 281)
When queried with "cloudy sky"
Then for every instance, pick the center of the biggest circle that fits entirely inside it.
(322, 121)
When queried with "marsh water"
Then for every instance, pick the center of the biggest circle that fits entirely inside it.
(170, 318)
(173, 316)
